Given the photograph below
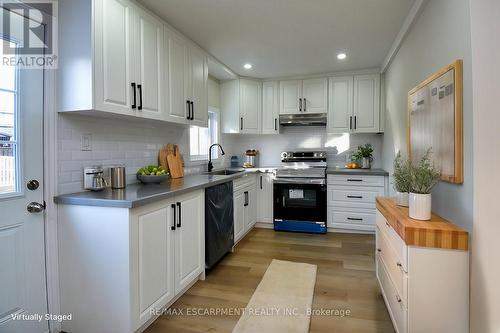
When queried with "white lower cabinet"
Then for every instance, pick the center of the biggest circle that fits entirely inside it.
(351, 201)
(245, 205)
(130, 263)
(425, 289)
(265, 197)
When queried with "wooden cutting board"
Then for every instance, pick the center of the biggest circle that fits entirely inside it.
(162, 158)
(175, 161)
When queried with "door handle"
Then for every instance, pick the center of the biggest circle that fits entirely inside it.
(179, 221)
(300, 104)
(35, 207)
(175, 218)
(134, 104)
(192, 110)
(139, 87)
(305, 105)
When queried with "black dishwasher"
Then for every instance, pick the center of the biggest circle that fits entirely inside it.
(219, 222)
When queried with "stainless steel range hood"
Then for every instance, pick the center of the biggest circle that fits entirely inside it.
(303, 119)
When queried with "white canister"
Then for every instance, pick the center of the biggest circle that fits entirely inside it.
(402, 199)
(420, 206)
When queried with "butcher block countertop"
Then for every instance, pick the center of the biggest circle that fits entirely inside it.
(436, 233)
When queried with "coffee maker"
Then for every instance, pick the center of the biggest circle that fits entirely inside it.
(93, 178)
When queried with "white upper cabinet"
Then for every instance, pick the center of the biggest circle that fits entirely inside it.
(366, 103)
(176, 78)
(241, 106)
(127, 61)
(290, 97)
(315, 95)
(340, 98)
(354, 104)
(113, 60)
(299, 96)
(270, 107)
(250, 106)
(149, 65)
(198, 87)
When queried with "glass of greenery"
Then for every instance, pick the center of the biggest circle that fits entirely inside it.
(364, 156)
(423, 178)
(402, 179)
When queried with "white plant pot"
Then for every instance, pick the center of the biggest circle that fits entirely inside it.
(402, 198)
(420, 206)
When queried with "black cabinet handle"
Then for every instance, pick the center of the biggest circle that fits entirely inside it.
(241, 123)
(192, 110)
(355, 122)
(355, 219)
(355, 197)
(246, 198)
(379, 250)
(173, 224)
(261, 182)
(134, 104)
(305, 105)
(354, 180)
(188, 111)
(180, 214)
(350, 122)
(275, 124)
(139, 87)
(300, 104)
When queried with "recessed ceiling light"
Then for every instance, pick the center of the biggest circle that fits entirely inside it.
(247, 66)
(341, 56)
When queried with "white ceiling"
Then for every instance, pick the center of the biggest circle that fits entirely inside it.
(288, 37)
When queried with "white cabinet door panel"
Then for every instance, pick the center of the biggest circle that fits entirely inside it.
(340, 104)
(270, 107)
(149, 65)
(315, 95)
(199, 87)
(251, 208)
(177, 58)
(189, 238)
(250, 106)
(113, 56)
(265, 198)
(239, 215)
(366, 103)
(290, 93)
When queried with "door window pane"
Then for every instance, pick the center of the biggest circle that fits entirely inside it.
(7, 73)
(7, 168)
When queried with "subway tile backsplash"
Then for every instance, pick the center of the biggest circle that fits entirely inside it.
(114, 142)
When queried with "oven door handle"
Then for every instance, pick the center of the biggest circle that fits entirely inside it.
(305, 181)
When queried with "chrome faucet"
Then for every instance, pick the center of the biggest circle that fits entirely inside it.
(210, 165)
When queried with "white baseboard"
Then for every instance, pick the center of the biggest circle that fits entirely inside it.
(351, 231)
(264, 225)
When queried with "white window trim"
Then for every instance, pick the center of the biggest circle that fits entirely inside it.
(202, 159)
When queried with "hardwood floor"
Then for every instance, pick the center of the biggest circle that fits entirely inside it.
(345, 281)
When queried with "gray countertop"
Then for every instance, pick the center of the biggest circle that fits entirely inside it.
(135, 195)
(364, 172)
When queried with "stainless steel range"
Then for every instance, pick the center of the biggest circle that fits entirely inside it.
(299, 192)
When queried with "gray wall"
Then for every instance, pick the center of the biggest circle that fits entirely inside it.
(440, 35)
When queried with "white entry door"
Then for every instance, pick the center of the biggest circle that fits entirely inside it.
(22, 257)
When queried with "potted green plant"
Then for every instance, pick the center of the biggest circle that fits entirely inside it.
(423, 178)
(364, 156)
(402, 179)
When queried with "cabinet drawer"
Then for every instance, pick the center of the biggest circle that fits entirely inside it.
(353, 196)
(244, 181)
(397, 310)
(356, 180)
(393, 239)
(393, 265)
(339, 215)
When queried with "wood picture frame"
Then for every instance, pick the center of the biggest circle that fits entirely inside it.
(435, 120)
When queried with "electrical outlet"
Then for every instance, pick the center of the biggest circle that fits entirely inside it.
(86, 142)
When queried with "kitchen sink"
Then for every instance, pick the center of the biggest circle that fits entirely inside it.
(225, 172)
